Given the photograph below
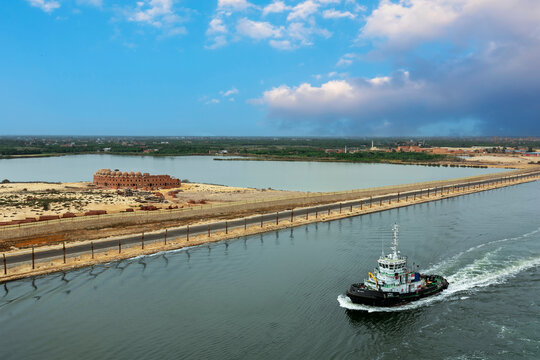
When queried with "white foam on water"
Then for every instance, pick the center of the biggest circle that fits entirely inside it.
(160, 253)
(481, 273)
(137, 257)
(451, 260)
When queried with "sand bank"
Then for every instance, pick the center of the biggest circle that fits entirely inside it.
(113, 254)
(32, 200)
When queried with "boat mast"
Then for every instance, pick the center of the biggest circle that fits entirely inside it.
(395, 230)
(382, 246)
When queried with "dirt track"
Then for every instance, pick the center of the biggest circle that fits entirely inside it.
(85, 259)
(122, 225)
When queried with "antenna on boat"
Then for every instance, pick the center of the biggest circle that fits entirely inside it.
(395, 229)
(382, 243)
(382, 246)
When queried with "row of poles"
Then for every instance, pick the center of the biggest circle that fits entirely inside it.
(463, 187)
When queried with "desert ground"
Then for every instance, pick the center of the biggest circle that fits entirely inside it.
(32, 200)
(502, 159)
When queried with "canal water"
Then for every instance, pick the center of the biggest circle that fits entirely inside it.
(282, 175)
(280, 295)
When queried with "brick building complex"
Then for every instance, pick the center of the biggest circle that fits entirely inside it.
(118, 179)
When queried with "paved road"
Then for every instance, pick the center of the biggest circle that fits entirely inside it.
(129, 240)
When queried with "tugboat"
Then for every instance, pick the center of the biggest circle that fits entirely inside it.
(393, 284)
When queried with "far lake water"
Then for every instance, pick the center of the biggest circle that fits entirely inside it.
(282, 175)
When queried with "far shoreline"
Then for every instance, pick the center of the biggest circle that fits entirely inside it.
(253, 157)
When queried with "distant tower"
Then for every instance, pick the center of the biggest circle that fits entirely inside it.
(345, 149)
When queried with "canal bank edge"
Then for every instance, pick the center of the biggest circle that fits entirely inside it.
(346, 209)
(177, 217)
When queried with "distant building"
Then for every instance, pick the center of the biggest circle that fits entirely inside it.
(334, 151)
(411, 148)
(438, 150)
(118, 180)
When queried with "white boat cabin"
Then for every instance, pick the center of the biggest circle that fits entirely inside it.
(392, 274)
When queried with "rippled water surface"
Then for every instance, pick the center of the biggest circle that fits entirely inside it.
(283, 175)
(280, 295)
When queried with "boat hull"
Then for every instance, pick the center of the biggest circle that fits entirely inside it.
(359, 294)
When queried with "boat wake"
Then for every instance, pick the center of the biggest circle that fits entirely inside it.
(483, 272)
(440, 266)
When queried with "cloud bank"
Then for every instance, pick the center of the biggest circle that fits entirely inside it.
(484, 81)
(45, 5)
(284, 25)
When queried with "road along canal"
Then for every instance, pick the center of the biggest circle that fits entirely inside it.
(46, 259)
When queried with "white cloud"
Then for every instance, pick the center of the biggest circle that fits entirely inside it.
(328, 2)
(335, 14)
(212, 101)
(96, 3)
(381, 80)
(332, 74)
(154, 12)
(282, 44)
(159, 14)
(408, 23)
(257, 29)
(216, 26)
(303, 10)
(346, 60)
(275, 7)
(364, 102)
(229, 92)
(495, 91)
(129, 45)
(411, 19)
(303, 35)
(356, 7)
(177, 30)
(294, 35)
(308, 99)
(296, 28)
(233, 4)
(489, 87)
(217, 42)
(45, 5)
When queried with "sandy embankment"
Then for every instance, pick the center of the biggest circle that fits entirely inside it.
(32, 200)
(502, 160)
(149, 248)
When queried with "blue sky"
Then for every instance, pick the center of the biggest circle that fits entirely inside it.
(298, 68)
